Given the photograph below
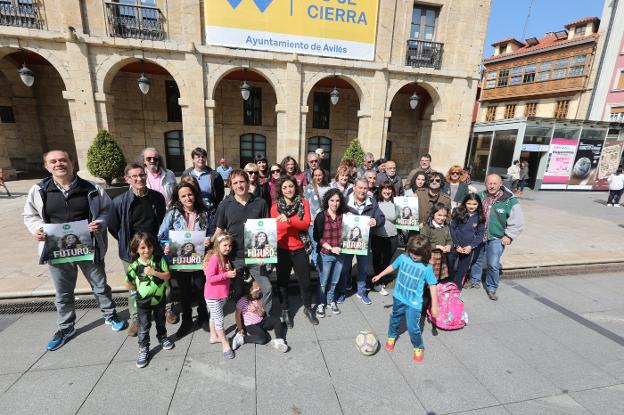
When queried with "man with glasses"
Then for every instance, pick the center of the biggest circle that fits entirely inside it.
(390, 174)
(314, 161)
(140, 209)
(424, 165)
(367, 164)
(158, 178)
(427, 197)
(211, 184)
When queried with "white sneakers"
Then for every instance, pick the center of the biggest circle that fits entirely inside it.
(279, 345)
(381, 289)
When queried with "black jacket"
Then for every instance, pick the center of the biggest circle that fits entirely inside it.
(119, 221)
(216, 184)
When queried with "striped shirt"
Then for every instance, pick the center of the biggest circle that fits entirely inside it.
(249, 311)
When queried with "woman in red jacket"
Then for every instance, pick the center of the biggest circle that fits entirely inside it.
(292, 214)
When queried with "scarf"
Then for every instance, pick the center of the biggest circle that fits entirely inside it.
(290, 210)
(488, 202)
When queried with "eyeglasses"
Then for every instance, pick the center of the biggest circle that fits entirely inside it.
(137, 176)
(275, 171)
(455, 173)
(251, 172)
(435, 181)
(152, 159)
(312, 161)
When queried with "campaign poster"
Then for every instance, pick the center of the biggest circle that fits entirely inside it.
(406, 212)
(260, 241)
(608, 164)
(186, 249)
(355, 230)
(68, 242)
(585, 165)
(560, 161)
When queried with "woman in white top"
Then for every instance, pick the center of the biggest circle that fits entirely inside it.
(616, 187)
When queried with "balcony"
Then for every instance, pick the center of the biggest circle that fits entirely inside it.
(423, 54)
(135, 22)
(21, 13)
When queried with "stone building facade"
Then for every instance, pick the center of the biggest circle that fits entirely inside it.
(86, 62)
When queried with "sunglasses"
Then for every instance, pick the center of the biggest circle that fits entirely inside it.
(275, 171)
(251, 172)
(152, 159)
(455, 172)
(435, 181)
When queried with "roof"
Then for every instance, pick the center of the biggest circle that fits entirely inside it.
(546, 42)
(584, 20)
(507, 40)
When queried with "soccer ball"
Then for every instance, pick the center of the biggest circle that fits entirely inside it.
(367, 343)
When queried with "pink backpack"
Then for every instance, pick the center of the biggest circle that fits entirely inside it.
(451, 315)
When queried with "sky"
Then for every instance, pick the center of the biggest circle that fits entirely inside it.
(507, 17)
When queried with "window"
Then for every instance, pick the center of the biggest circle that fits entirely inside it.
(252, 108)
(617, 114)
(490, 115)
(560, 71)
(174, 151)
(250, 145)
(544, 71)
(510, 111)
(577, 67)
(503, 49)
(530, 109)
(516, 75)
(491, 75)
(561, 109)
(490, 84)
(579, 31)
(6, 115)
(174, 111)
(529, 74)
(320, 112)
(503, 77)
(620, 84)
(424, 23)
(326, 144)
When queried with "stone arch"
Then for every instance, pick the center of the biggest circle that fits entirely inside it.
(396, 86)
(57, 63)
(216, 76)
(106, 71)
(362, 93)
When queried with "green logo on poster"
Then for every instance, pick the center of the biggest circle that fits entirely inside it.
(357, 219)
(66, 226)
(187, 235)
(260, 223)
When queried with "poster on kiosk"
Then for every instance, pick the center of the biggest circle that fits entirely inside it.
(560, 163)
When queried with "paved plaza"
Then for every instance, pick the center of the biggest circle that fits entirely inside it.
(549, 346)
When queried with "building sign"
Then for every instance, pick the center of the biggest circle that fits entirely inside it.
(334, 28)
(560, 161)
(535, 148)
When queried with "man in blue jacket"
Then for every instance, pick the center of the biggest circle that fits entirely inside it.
(359, 203)
(138, 210)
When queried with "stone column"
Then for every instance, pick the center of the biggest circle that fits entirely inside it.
(104, 107)
(289, 126)
(209, 105)
(303, 111)
(193, 107)
(372, 114)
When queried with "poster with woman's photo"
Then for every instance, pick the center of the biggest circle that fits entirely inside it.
(355, 230)
(261, 241)
(406, 213)
(186, 249)
(68, 242)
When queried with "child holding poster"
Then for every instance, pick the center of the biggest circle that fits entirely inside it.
(147, 275)
(219, 271)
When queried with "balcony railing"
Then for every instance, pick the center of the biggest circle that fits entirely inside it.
(136, 22)
(20, 13)
(423, 54)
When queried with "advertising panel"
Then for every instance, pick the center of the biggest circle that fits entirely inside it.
(560, 162)
(585, 165)
(608, 164)
(334, 28)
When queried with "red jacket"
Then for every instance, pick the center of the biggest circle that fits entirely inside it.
(288, 233)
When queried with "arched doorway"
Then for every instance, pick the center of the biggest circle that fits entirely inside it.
(244, 128)
(139, 120)
(34, 119)
(409, 130)
(339, 121)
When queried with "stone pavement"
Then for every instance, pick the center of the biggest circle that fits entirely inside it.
(548, 346)
(562, 228)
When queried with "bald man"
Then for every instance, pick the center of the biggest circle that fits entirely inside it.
(503, 223)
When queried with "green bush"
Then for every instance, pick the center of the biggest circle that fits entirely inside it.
(104, 158)
(354, 152)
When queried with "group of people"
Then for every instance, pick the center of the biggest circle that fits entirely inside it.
(458, 230)
(519, 175)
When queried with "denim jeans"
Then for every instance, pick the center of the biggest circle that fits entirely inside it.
(493, 249)
(362, 265)
(64, 277)
(313, 254)
(330, 268)
(144, 316)
(412, 320)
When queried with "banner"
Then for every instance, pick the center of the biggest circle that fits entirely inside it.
(335, 28)
(260, 241)
(608, 164)
(68, 242)
(560, 161)
(186, 249)
(585, 165)
(355, 230)
(406, 212)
